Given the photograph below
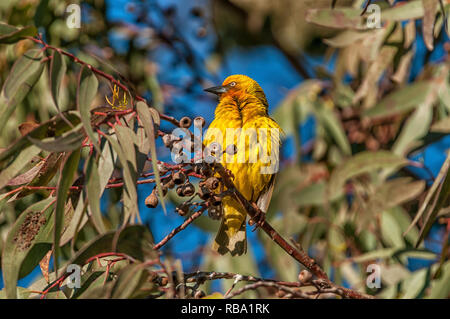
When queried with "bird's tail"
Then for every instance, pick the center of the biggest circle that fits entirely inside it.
(232, 236)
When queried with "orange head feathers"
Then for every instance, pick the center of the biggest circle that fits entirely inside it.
(239, 86)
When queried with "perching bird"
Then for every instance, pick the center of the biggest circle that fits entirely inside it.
(243, 105)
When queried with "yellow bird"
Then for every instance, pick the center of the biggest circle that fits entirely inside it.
(242, 119)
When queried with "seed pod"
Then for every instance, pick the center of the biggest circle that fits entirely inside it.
(180, 190)
(205, 170)
(164, 189)
(179, 178)
(204, 193)
(199, 294)
(231, 149)
(151, 201)
(164, 281)
(182, 209)
(304, 276)
(215, 200)
(162, 168)
(215, 212)
(169, 183)
(185, 122)
(188, 189)
(199, 121)
(212, 183)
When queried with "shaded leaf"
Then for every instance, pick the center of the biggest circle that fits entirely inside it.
(147, 121)
(10, 34)
(87, 89)
(20, 255)
(53, 128)
(430, 8)
(134, 240)
(66, 142)
(93, 192)
(19, 162)
(338, 18)
(65, 180)
(22, 77)
(362, 163)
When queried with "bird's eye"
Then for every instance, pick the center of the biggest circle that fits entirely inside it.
(233, 83)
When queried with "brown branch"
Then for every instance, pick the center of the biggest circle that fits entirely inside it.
(293, 292)
(299, 256)
(186, 223)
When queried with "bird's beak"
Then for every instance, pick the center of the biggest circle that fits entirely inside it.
(217, 89)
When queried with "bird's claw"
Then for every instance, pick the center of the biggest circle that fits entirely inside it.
(259, 219)
(230, 173)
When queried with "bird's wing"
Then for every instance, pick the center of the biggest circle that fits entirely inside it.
(264, 198)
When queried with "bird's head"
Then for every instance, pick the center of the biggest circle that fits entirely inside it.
(238, 86)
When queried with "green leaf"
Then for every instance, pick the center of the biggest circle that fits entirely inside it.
(47, 169)
(374, 255)
(337, 18)
(332, 124)
(30, 235)
(57, 71)
(440, 287)
(134, 240)
(66, 142)
(408, 11)
(87, 89)
(127, 156)
(53, 128)
(129, 280)
(414, 285)
(362, 163)
(297, 104)
(10, 34)
(391, 231)
(440, 199)
(106, 166)
(430, 8)
(65, 180)
(433, 192)
(19, 162)
(394, 192)
(401, 101)
(415, 128)
(147, 121)
(22, 77)
(93, 192)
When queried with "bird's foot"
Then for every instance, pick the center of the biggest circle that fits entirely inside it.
(259, 219)
(230, 173)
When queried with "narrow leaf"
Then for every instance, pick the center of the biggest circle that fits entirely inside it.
(87, 89)
(147, 122)
(65, 181)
